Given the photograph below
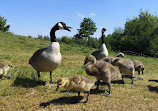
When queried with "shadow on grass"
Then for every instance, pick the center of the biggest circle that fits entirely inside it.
(62, 100)
(1, 76)
(116, 82)
(27, 83)
(68, 91)
(153, 89)
(153, 80)
(92, 91)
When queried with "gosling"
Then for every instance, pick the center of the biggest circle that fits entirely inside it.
(109, 60)
(121, 55)
(138, 65)
(77, 83)
(126, 67)
(4, 68)
(101, 70)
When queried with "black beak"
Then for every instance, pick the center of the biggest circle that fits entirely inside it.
(84, 65)
(85, 62)
(57, 88)
(67, 28)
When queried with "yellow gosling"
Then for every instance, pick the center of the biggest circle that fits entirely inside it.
(77, 83)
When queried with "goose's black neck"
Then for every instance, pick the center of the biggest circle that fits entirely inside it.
(102, 38)
(52, 34)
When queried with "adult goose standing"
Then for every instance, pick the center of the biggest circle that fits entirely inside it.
(48, 59)
(103, 52)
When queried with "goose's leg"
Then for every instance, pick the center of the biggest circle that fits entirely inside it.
(109, 92)
(122, 80)
(142, 71)
(132, 81)
(51, 81)
(39, 82)
(78, 94)
(97, 83)
(139, 76)
(87, 98)
(38, 73)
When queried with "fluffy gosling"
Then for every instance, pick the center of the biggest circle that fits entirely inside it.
(77, 83)
(138, 65)
(101, 70)
(121, 55)
(126, 67)
(109, 60)
(4, 68)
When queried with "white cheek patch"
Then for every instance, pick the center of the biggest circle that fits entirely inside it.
(60, 26)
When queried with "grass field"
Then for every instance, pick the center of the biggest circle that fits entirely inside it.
(22, 92)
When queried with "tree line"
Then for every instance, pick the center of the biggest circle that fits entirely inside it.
(140, 35)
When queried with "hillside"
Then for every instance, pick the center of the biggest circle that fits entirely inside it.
(22, 92)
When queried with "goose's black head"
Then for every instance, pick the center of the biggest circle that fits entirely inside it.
(58, 26)
(62, 25)
(103, 30)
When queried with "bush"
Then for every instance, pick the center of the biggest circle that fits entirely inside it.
(3, 25)
(66, 40)
(92, 42)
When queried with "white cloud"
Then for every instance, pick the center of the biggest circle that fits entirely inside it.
(80, 15)
(92, 14)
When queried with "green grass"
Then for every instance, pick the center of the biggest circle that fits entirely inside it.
(22, 92)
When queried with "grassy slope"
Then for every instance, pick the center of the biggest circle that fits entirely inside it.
(22, 93)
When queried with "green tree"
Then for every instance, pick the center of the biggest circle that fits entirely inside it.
(114, 40)
(3, 24)
(40, 37)
(87, 28)
(46, 37)
(139, 32)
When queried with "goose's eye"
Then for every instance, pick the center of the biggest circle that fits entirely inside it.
(64, 25)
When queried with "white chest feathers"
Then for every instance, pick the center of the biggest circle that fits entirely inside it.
(54, 48)
(104, 50)
(52, 53)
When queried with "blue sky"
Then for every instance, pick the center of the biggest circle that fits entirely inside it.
(37, 17)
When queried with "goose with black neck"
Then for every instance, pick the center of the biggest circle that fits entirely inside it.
(48, 59)
(103, 52)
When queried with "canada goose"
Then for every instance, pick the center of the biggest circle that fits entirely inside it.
(120, 55)
(101, 70)
(48, 59)
(126, 67)
(4, 68)
(109, 60)
(138, 67)
(77, 83)
(103, 52)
